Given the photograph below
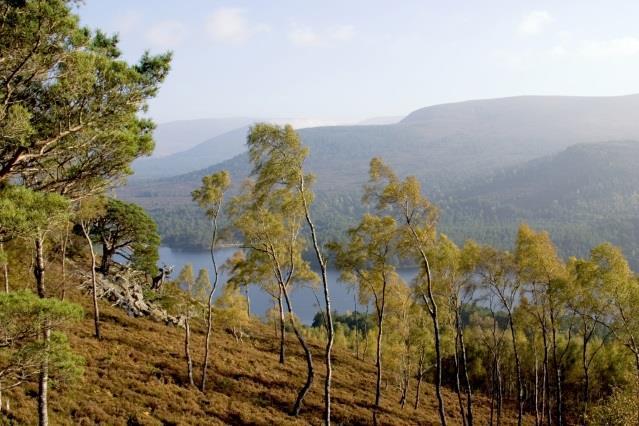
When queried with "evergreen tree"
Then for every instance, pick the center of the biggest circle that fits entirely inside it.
(127, 230)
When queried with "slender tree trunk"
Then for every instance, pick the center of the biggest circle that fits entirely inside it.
(94, 286)
(469, 392)
(536, 394)
(43, 376)
(407, 373)
(405, 385)
(500, 392)
(187, 350)
(356, 328)
(557, 368)
(365, 349)
(5, 267)
(207, 340)
(248, 301)
(438, 367)
(584, 363)
(209, 316)
(493, 388)
(43, 380)
(420, 376)
(460, 400)
(378, 367)
(282, 328)
(65, 241)
(546, 406)
(39, 267)
(310, 372)
(327, 300)
(520, 399)
(431, 304)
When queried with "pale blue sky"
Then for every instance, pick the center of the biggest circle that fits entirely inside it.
(364, 58)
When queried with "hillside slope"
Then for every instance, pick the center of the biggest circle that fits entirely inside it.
(213, 150)
(178, 136)
(136, 376)
(448, 142)
(489, 164)
(584, 195)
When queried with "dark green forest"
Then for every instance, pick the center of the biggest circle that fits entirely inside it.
(584, 195)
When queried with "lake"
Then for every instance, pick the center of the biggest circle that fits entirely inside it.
(302, 297)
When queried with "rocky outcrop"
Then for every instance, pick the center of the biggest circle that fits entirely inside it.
(124, 288)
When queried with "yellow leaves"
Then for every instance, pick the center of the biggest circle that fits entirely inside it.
(231, 309)
(211, 194)
(277, 156)
(537, 257)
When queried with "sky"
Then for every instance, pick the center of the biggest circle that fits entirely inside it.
(347, 60)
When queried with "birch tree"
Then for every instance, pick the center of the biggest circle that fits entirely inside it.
(88, 211)
(277, 156)
(454, 268)
(368, 260)
(544, 275)
(499, 277)
(622, 295)
(418, 216)
(210, 198)
(270, 224)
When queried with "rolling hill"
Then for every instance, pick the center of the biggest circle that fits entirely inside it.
(584, 195)
(489, 164)
(214, 150)
(178, 136)
(136, 375)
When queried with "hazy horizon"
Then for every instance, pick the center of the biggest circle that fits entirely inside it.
(350, 62)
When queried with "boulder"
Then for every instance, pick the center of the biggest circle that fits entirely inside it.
(124, 288)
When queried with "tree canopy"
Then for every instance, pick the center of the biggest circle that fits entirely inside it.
(126, 230)
(69, 103)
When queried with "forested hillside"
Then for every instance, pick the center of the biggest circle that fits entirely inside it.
(585, 194)
(96, 329)
(444, 143)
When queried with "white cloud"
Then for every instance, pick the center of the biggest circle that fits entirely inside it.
(307, 36)
(619, 47)
(166, 34)
(127, 22)
(535, 22)
(230, 25)
(304, 36)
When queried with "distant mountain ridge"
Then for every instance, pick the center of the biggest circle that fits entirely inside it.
(454, 149)
(584, 195)
(177, 136)
(214, 150)
(189, 145)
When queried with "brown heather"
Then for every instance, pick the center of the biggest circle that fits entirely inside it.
(136, 376)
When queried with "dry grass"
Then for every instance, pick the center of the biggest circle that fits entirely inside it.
(136, 375)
